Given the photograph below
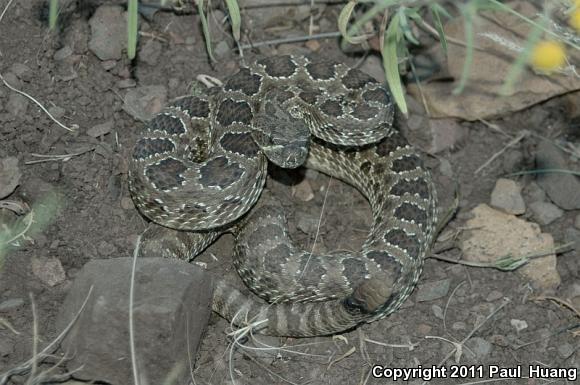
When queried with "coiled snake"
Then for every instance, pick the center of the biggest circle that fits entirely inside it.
(199, 166)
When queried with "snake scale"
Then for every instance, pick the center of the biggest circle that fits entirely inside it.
(200, 165)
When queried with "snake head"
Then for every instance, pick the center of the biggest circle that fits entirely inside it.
(282, 134)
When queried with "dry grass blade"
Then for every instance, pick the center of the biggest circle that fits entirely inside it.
(72, 128)
(559, 301)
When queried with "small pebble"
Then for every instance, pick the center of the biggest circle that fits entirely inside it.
(108, 64)
(313, 45)
(499, 340)
(437, 311)
(48, 270)
(100, 129)
(458, 325)
(63, 53)
(424, 329)
(566, 350)
(430, 291)
(22, 71)
(56, 112)
(494, 295)
(222, 49)
(478, 348)
(303, 191)
(307, 223)
(126, 83)
(518, 324)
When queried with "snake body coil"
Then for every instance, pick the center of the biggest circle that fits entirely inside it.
(200, 166)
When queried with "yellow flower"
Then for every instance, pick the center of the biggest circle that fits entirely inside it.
(574, 19)
(548, 56)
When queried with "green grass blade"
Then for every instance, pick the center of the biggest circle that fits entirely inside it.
(235, 17)
(403, 14)
(436, 14)
(52, 13)
(391, 63)
(132, 27)
(469, 16)
(205, 29)
(343, 19)
(356, 26)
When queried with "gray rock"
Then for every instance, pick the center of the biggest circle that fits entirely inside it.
(13, 80)
(374, 67)
(477, 349)
(56, 112)
(577, 222)
(563, 189)
(108, 32)
(545, 212)
(430, 291)
(222, 49)
(172, 305)
(513, 161)
(437, 311)
(572, 235)
(17, 104)
(507, 196)
(10, 175)
(144, 102)
(307, 222)
(534, 192)
(565, 350)
(126, 83)
(63, 53)
(458, 325)
(11, 304)
(48, 270)
(22, 71)
(494, 295)
(100, 129)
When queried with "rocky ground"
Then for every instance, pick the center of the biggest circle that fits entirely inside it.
(75, 183)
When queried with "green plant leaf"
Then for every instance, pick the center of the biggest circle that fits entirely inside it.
(469, 13)
(435, 10)
(205, 29)
(405, 26)
(235, 17)
(52, 13)
(343, 19)
(132, 27)
(391, 63)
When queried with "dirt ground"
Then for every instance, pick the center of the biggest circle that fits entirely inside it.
(97, 219)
